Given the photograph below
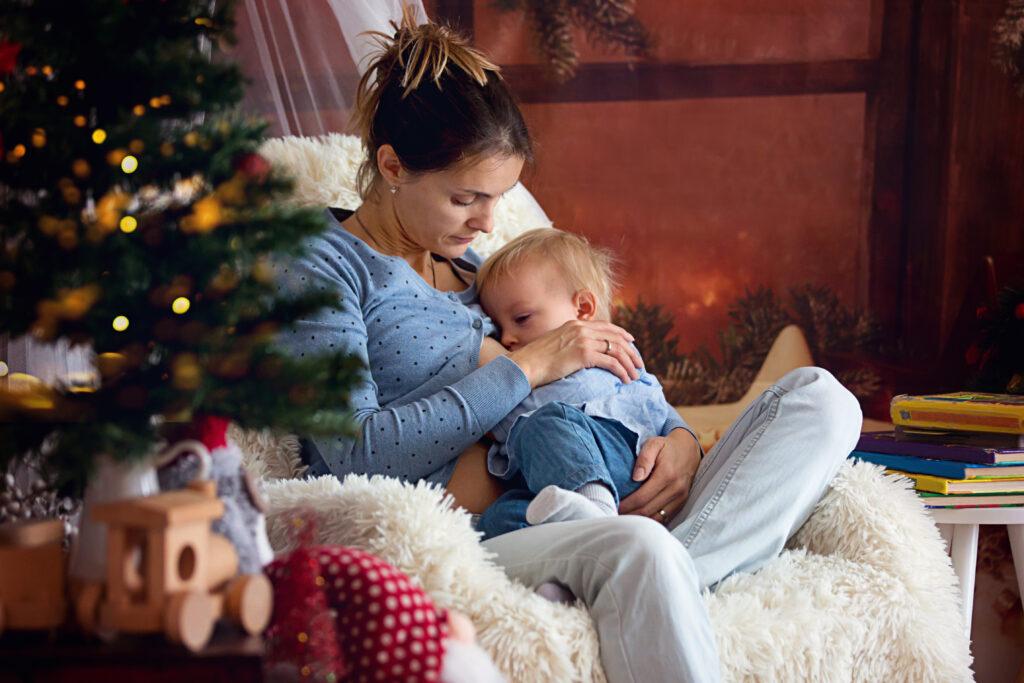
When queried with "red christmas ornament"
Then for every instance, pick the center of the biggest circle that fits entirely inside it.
(1018, 312)
(8, 57)
(253, 166)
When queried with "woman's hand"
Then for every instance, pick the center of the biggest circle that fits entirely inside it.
(668, 465)
(576, 345)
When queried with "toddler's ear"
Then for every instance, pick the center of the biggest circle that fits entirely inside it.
(585, 303)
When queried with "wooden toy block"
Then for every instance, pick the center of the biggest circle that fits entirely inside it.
(32, 575)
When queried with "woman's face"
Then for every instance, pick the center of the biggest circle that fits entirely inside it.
(444, 211)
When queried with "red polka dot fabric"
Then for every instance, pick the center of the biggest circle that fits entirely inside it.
(388, 629)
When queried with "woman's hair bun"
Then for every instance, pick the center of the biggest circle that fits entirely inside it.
(435, 99)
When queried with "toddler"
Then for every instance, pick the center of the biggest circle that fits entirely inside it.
(569, 448)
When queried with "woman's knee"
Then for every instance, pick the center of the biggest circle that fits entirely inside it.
(835, 410)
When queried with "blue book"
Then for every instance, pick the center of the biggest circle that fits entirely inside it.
(947, 469)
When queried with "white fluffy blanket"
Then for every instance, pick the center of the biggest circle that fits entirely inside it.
(866, 593)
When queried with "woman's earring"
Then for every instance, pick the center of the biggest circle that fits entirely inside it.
(394, 189)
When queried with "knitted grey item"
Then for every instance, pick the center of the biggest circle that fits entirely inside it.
(240, 522)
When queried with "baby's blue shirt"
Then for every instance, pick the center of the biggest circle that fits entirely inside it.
(422, 399)
(640, 406)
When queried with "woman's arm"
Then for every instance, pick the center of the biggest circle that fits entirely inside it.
(413, 440)
(576, 345)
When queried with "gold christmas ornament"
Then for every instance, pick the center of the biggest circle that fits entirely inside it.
(79, 84)
(99, 136)
(18, 151)
(120, 323)
(207, 214)
(109, 210)
(129, 164)
(79, 121)
(139, 109)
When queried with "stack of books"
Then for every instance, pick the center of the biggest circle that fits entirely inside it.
(963, 450)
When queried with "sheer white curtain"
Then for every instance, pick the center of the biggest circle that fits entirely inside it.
(303, 58)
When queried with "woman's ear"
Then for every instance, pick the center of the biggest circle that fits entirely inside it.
(585, 303)
(389, 165)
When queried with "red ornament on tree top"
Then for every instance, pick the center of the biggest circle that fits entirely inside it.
(253, 166)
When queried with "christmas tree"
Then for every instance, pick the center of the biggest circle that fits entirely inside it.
(137, 218)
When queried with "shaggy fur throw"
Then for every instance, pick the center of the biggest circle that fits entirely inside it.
(865, 593)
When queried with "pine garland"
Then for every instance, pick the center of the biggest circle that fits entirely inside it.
(608, 23)
(128, 227)
(1008, 43)
(700, 377)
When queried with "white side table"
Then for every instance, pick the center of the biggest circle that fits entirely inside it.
(959, 528)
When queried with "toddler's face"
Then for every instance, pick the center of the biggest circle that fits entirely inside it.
(528, 301)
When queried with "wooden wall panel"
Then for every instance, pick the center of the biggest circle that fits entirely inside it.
(705, 198)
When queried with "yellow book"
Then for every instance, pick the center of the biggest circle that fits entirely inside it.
(926, 482)
(964, 410)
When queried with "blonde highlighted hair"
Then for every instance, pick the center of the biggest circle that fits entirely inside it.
(436, 99)
(583, 265)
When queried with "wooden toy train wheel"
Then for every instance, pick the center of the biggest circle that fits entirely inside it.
(189, 618)
(249, 601)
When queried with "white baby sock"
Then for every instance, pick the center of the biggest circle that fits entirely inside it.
(555, 504)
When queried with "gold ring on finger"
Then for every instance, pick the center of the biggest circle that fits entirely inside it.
(607, 345)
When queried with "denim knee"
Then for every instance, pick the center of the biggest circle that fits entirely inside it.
(837, 413)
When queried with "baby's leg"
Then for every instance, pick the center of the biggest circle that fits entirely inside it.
(564, 455)
(506, 514)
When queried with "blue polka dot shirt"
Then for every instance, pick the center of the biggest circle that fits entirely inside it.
(422, 400)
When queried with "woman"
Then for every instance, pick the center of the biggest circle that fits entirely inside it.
(445, 140)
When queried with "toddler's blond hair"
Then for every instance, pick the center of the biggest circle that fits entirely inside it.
(583, 265)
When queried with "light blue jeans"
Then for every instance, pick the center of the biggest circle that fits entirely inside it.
(560, 445)
(642, 581)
